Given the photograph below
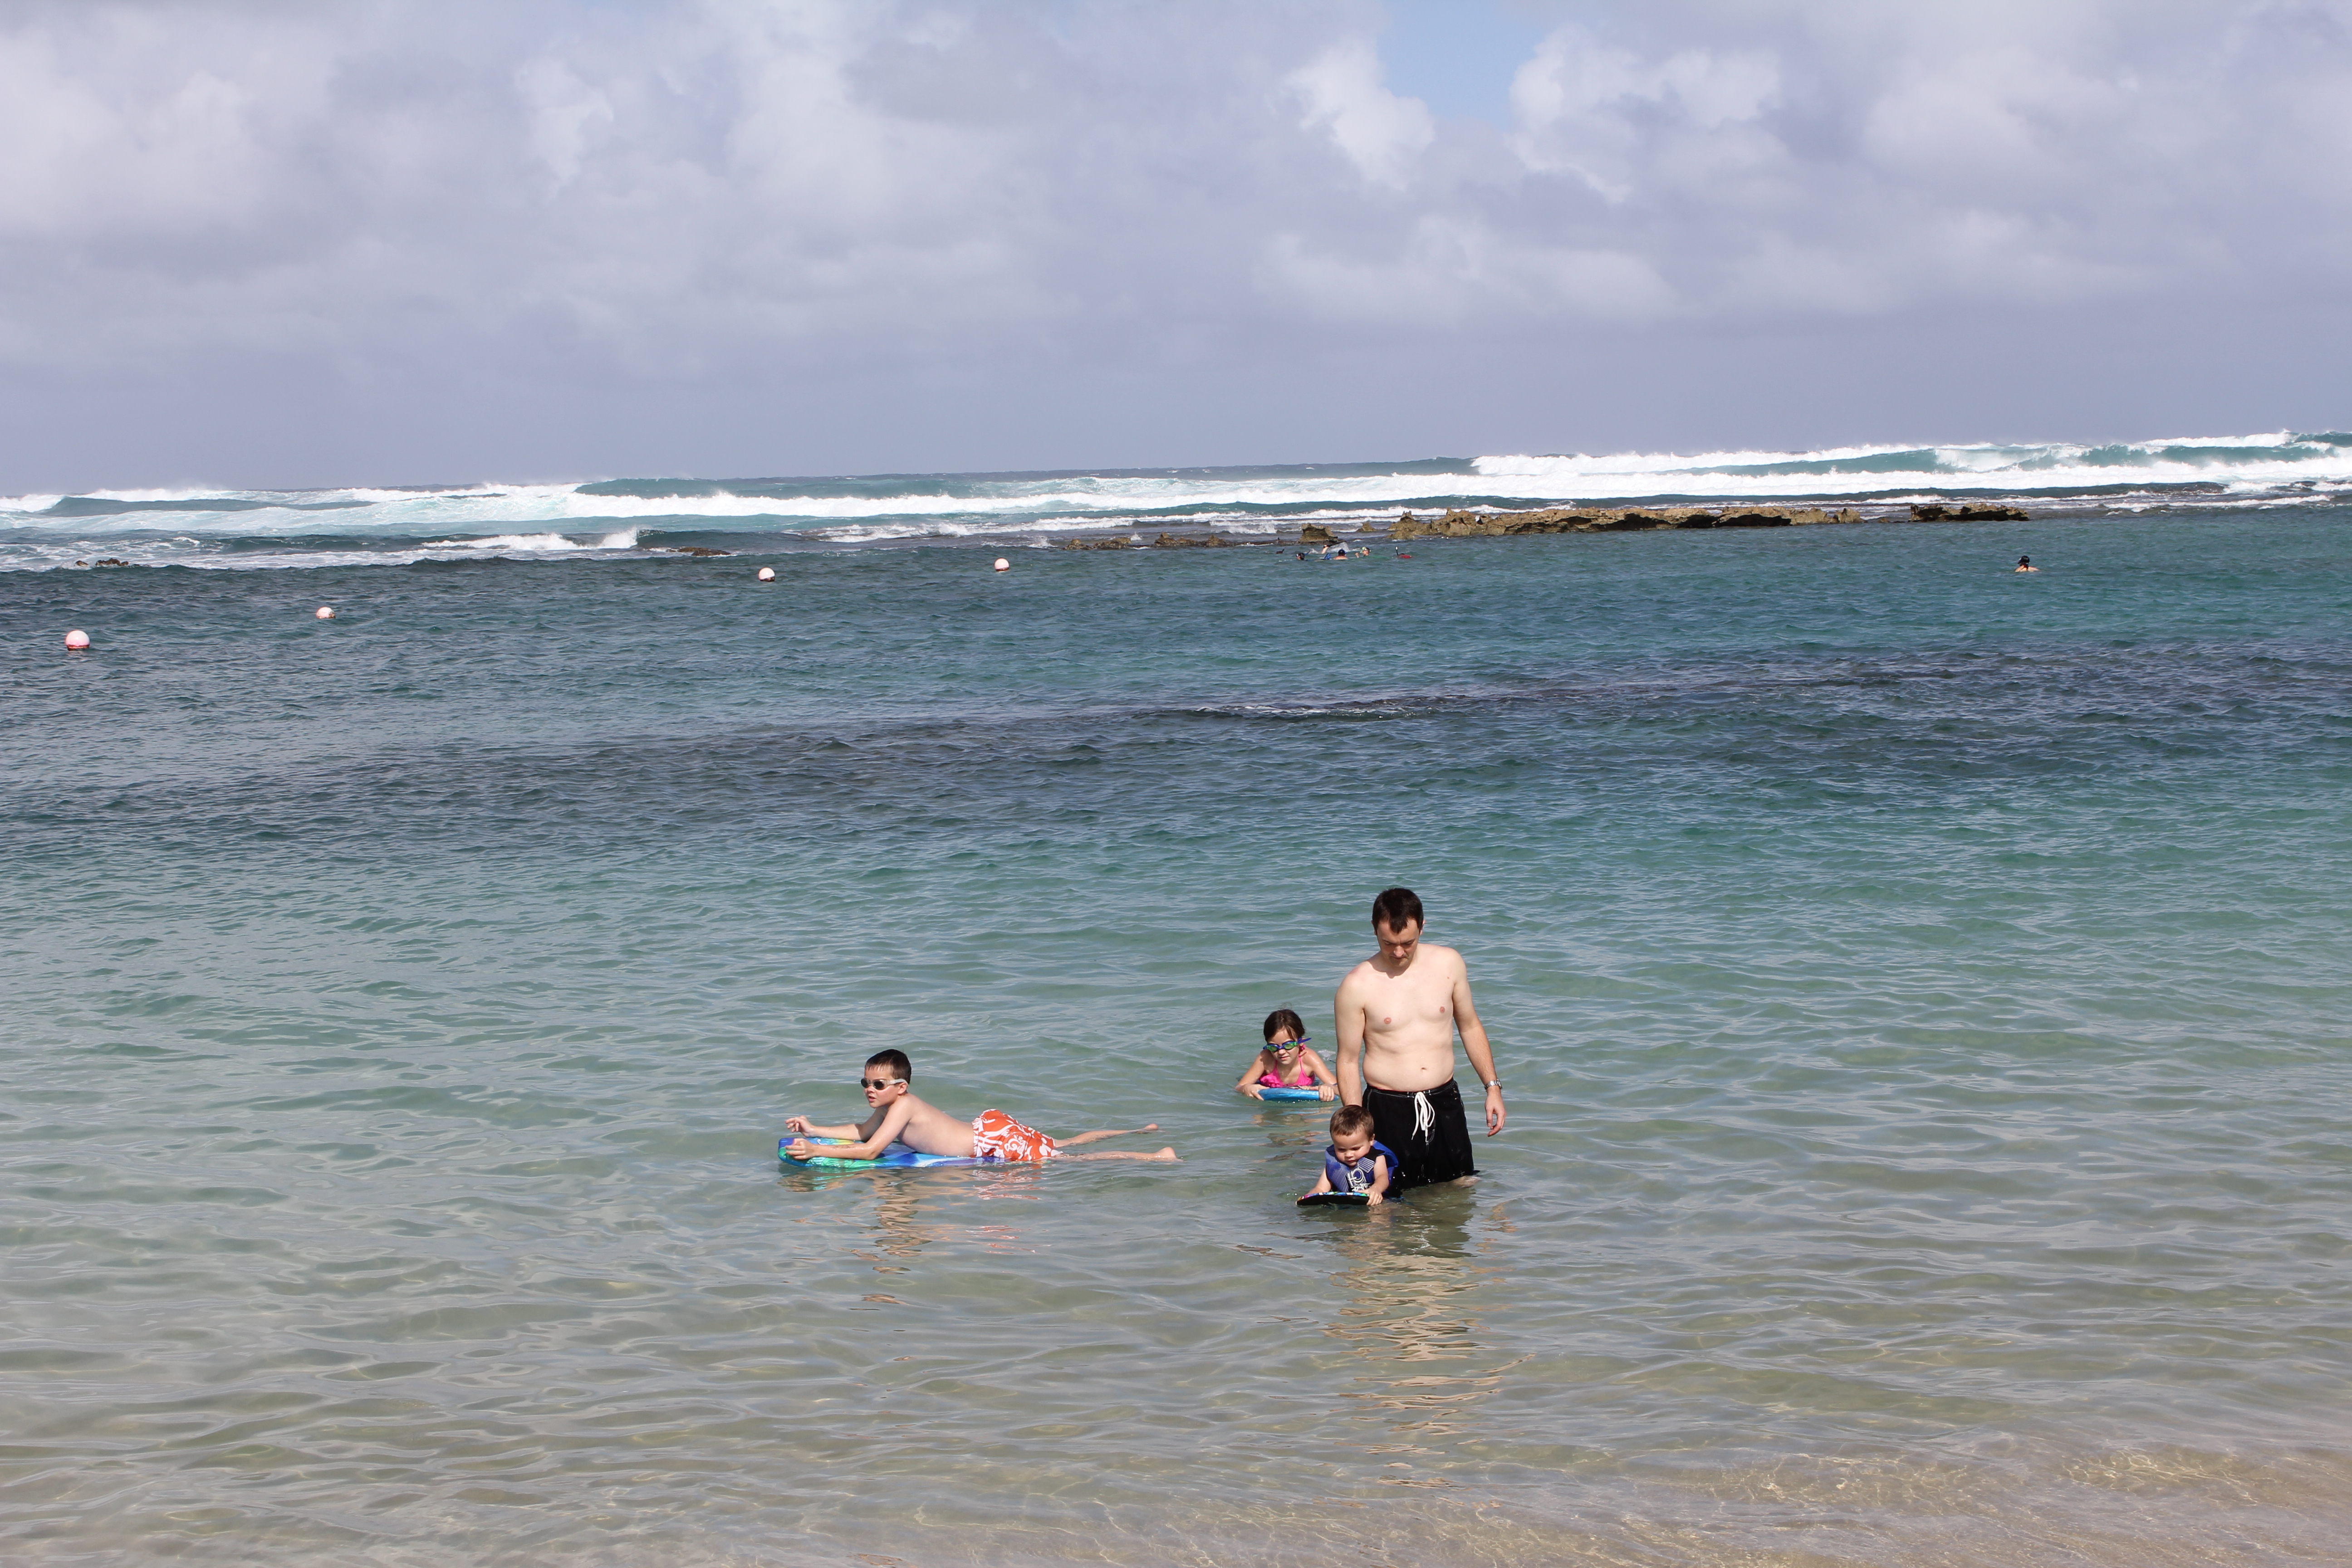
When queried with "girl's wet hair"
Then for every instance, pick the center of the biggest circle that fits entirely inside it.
(1284, 1018)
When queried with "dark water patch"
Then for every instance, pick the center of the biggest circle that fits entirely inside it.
(103, 506)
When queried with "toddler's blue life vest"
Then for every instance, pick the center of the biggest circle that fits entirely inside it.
(1359, 1176)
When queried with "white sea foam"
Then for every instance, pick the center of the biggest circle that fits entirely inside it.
(541, 520)
(626, 539)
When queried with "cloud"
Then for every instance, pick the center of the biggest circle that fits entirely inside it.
(567, 116)
(1379, 132)
(262, 239)
(1602, 112)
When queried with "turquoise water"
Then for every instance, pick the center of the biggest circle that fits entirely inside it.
(1920, 992)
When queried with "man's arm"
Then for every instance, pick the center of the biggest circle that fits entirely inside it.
(1481, 1055)
(1348, 1023)
(892, 1122)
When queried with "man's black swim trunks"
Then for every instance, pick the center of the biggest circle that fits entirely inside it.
(1427, 1131)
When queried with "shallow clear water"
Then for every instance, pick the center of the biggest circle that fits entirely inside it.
(1920, 990)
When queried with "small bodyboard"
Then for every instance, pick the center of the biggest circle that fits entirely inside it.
(1335, 1201)
(893, 1158)
(1289, 1094)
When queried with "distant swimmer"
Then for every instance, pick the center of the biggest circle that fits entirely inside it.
(901, 1118)
(2025, 563)
(1397, 1014)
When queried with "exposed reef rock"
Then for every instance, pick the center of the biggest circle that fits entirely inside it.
(1460, 524)
(1970, 512)
(1159, 542)
(685, 550)
(1607, 519)
(1316, 534)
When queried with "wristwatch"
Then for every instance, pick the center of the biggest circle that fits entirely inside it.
(1493, 1083)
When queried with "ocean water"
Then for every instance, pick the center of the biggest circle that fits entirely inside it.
(1920, 992)
(197, 526)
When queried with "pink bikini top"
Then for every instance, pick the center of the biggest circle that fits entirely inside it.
(1274, 1079)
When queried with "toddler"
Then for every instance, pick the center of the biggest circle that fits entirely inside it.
(1355, 1163)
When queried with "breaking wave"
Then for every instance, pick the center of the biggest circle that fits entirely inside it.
(249, 529)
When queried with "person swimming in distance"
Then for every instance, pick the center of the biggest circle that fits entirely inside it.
(1286, 1062)
(2025, 563)
(902, 1117)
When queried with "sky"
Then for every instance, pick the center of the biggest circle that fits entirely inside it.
(306, 242)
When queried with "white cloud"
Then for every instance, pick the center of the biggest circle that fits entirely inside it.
(553, 206)
(1596, 109)
(1347, 96)
(566, 116)
(1445, 273)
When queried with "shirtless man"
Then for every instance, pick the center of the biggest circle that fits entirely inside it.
(900, 1116)
(1397, 1011)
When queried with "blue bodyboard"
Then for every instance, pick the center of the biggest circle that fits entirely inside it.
(1271, 1094)
(891, 1158)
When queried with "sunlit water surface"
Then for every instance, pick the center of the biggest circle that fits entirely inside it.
(1920, 991)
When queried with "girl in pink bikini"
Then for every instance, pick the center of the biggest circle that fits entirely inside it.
(1286, 1063)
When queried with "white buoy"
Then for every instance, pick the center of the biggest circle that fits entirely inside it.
(326, 612)
(77, 640)
(1003, 564)
(767, 574)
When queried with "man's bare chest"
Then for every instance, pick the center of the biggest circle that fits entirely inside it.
(1408, 1006)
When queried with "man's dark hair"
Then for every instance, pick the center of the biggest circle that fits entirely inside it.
(895, 1063)
(1284, 1018)
(1397, 908)
(1349, 1120)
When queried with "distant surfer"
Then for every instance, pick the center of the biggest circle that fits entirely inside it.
(901, 1117)
(1397, 1013)
(2025, 563)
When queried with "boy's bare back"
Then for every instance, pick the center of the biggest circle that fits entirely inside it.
(924, 1128)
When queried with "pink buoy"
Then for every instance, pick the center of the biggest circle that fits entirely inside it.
(1003, 564)
(77, 640)
(767, 574)
(326, 612)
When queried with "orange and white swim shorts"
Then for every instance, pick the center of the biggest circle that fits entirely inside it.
(996, 1136)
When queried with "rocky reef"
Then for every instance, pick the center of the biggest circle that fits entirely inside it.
(1970, 512)
(1160, 541)
(1457, 524)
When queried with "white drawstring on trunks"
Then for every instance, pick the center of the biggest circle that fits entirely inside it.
(1424, 1115)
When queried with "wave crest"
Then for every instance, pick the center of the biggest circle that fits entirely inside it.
(199, 527)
